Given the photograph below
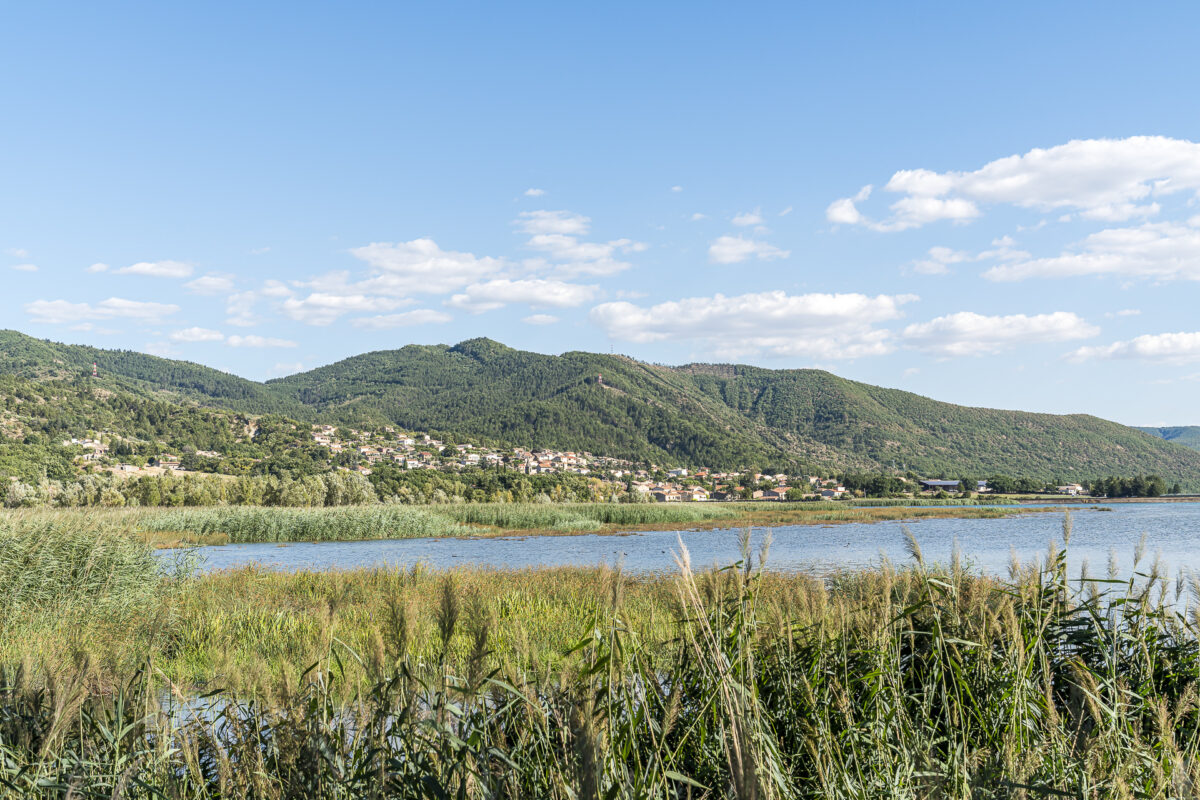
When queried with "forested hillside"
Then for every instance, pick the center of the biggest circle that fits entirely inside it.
(1186, 435)
(582, 401)
(700, 414)
(38, 359)
(889, 426)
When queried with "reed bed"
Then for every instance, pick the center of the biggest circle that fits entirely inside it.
(215, 525)
(253, 524)
(584, 516)
(918, 682)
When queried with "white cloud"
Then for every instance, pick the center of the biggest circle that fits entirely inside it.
(1124, 312)
(239, 309)
(698, 216)
(258, 251)
(415, 267)
(324, 308)
(747, 218)
(210, 284)
(535, 292)
(540, 319)
(556, 233)
(273, 288)
(258, 341)
(584, 258)
(829, 325)
(940, 258)
(967, 333)
(534, 192)
(1170, 348)
(563, 222)
(62, 311)
(17, 252)
(25, 267)
(786, 211)
(735, 249)
(98, 267)
(845, 212)
(418, 316)
(1159, 251)
(1105, 179)
(158, 269)
(197, 335)
(676, 188)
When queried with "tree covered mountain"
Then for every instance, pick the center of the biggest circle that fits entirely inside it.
(38, 359)
(697, 414)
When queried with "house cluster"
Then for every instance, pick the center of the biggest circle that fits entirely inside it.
(93, 449)
(727, 487)
(422, 451)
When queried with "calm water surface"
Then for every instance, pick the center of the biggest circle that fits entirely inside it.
(1173, 529)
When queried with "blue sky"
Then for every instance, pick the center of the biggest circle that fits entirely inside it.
(273, 188)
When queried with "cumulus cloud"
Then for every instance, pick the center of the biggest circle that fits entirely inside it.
(564, 222)
(1103, 179)
(197, 335)
(574, 257)
(239, 309)
(747, 218)
(210, 284)
(1159, 251)
(1171, 348)
(25, 267)
(415, 267)
(418, 316)
(98, 267)
(17, 252)
(63, 311)
(540, 319)
(324, 308)
(258, 341)
(676, 188)
(158, 269)
(735, 249)
(531, 192)
(940, 258)
(535, 292)
(833, 325)
(967, 333)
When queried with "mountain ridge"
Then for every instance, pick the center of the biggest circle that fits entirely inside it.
(718, 415)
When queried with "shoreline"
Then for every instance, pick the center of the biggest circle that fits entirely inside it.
(767, 519)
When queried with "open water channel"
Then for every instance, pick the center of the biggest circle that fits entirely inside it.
(1171, 529)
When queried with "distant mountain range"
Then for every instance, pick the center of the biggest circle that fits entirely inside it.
(719, 415)
(1186, 435)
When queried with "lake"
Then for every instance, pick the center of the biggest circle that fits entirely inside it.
(1173, 529)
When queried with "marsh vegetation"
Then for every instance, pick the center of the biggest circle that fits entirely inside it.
(919, 681)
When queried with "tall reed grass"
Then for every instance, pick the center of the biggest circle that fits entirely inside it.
(921, 682)
(253, 524)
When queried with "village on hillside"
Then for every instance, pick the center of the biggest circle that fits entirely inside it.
(363, 451)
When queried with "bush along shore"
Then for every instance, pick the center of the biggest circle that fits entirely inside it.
(924, 681)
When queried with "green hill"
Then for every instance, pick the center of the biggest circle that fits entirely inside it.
(38, 359)
(1186, 435)
(698, 414)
